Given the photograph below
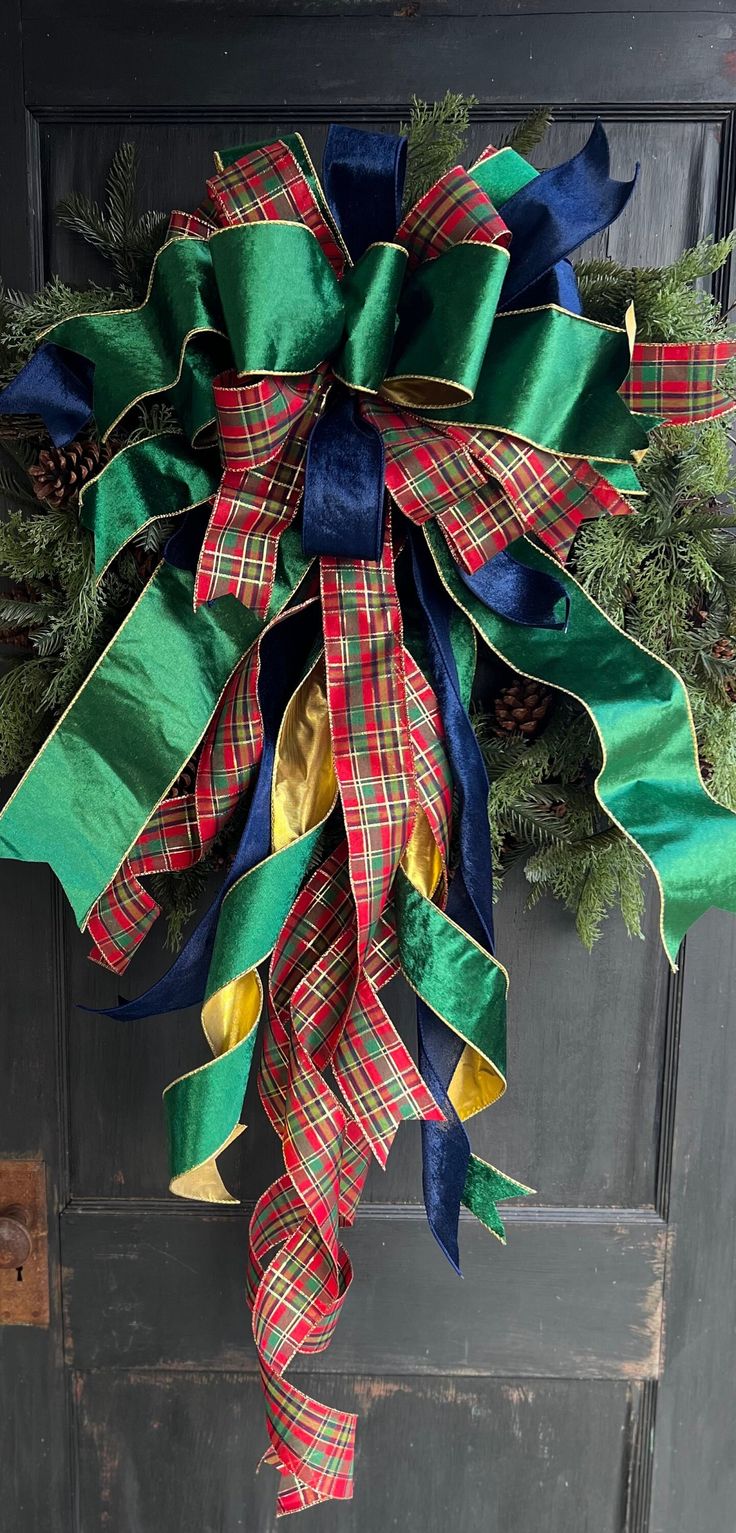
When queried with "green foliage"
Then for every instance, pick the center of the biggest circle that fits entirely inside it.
(667, 574)
(543, 811)
(126, 239)
(528, 133)
(437, 132)
(24, 315)
(667, 303)
(179, 894)
(66, 616)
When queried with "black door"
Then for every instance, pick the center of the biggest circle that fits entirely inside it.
(581, 1380)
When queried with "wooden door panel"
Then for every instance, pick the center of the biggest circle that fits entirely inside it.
(202, 1429)
(213, 55)
(579, 1121)
(568, 1297)
(528, 1395)
(676, 201)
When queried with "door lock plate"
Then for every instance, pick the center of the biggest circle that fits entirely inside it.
(24, 1258)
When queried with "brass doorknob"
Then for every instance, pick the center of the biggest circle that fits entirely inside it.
(15, 1239)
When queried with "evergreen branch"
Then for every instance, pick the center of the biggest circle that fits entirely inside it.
(529, 133)
(128, 242)
(15, 613)
(437, 132)
(24, 315)
(178, 895)
(667, 304)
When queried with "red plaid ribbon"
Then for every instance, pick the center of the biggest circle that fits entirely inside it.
(321, 1012)
(268, 184)
(455, 211)
(486, 488)
(681, 383)
(366, 692)
(264, 429)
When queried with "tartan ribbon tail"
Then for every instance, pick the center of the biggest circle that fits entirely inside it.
(299, 1274)
(371, 745)
(679, 382)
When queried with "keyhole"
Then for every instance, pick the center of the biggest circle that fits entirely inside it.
(19, 1274)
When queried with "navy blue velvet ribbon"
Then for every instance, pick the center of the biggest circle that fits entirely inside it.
(504, 586)
(445, 1146)
(560, 209)
(283, 649)
(57, 385)
(344, 492)
(558, 285)
(343, 504)
(363, 179)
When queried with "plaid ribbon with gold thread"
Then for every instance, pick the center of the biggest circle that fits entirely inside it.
(679, 383)
(338, 944)
(323, 1011)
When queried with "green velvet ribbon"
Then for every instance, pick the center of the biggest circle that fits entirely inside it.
(204, 1107)
(486, 1187)
(264, 297)
(149, 481)
(649, 784)
(467, 988)
(141, 351)
(132, 726)
(461, 983)
(545, 375)
(553, 378)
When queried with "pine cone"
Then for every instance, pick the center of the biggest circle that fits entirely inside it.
(187, 778)
(522, 707)
(723, 649)
(61, 471)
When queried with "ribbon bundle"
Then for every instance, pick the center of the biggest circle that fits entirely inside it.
(396, 400)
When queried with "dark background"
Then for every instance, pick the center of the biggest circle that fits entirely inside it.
(580, 1381)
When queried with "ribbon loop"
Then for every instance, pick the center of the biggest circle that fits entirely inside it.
(343, 513)
(363, 176)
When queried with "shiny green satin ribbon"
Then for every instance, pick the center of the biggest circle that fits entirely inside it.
(147, 482)
(649, 784)
(203, 1108)
(134, 723)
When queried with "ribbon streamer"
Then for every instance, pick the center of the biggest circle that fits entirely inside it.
(401, 402)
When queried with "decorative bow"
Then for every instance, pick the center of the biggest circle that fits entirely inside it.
(441, 357)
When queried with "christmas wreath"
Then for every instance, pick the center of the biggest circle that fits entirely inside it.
(265, 500)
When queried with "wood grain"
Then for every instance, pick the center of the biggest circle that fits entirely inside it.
(218, 54)
(568, 1297)
(160, 1452)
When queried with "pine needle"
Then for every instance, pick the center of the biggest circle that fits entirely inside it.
(437, 132)
(128, 241)
(528, 133)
